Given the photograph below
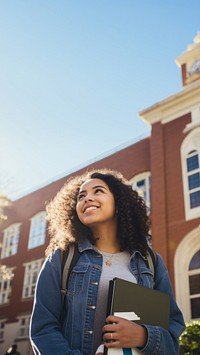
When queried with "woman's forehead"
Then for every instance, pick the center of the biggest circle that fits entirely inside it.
(90, 183)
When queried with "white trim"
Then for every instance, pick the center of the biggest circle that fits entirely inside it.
(184, 253)
(31, 272)
(191, 142)
(9, 250)
(174, 106)
(143, 176)
(37, 236)
(23, 329)
(195, 115)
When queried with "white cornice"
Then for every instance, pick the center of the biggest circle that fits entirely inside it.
(193, 51)
(174, 106)
(188, 56)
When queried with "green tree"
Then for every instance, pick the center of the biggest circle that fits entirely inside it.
(190, 339)
(5, 272)
(4, 203)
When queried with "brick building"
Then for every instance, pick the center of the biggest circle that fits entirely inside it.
(164, 167)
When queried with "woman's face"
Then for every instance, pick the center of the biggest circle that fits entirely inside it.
(95, 203)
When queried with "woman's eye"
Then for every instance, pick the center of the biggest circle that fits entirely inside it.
(80, 197)
(98, 190)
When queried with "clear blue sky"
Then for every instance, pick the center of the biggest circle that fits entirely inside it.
(74, 75)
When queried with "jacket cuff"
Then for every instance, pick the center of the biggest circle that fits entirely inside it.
(153, 340)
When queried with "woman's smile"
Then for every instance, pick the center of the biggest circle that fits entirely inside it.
(88, 208)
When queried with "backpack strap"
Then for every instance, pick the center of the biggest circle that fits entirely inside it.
(69, 258)
(152, 261)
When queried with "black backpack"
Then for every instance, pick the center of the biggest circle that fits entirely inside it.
(70, 257)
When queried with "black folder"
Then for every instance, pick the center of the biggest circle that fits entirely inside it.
(140, 304)
(150, 306)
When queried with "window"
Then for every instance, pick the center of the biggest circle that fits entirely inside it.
(30, 277)
(194, 285)
(187, 275)
(142, 184)
(190, 159)
(10, 240)
(37, 230)
(2, 329)
(193, 173)
(23, 331)
(5, 286)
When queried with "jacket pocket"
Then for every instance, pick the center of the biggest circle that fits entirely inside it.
(77, 279)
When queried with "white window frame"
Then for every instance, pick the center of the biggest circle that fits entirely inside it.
(184, 253)
(191, 143)
(6, 287)
(2, 329)
(30, 277)
(10, 240)
(196, 295)
(23, 326)
(147, 177)
(37, 232)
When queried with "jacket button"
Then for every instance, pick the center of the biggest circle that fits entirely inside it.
(89, 331)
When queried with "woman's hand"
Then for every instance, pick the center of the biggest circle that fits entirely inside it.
(122, 333)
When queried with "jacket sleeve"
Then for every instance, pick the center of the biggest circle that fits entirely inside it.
(45, 326)
(161, 341)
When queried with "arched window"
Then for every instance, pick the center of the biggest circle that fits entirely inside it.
(37, 230)
(190, 159)
(187, 275)
(142, 184)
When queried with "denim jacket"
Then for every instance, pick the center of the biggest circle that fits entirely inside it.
(57, 330)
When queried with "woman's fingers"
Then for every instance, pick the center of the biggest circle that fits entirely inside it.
(124, 333)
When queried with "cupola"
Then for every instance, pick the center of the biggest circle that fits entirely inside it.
(189, 62)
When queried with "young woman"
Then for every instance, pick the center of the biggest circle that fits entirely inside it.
(108, 220)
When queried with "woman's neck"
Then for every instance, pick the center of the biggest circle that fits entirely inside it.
(106, 239)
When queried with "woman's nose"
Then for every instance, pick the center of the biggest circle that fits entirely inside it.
(89, 198)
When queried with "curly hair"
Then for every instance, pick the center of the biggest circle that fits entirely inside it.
(64, 226)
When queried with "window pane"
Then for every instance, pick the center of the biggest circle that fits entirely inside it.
(195, 261)
(30, 277)
(194, 284)
(195, 199)
(37, 231)
(192, 163)
(194, 181)
(141, 183)
(195, 308)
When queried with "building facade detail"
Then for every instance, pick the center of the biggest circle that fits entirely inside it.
(30, 277)
(37, 230)
(187, 274)
(10, 240)
(142, 184)
(190, 161)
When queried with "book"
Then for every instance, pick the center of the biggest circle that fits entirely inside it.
(137, 303)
